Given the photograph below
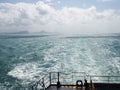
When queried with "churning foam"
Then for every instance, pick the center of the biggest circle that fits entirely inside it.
(26, 72)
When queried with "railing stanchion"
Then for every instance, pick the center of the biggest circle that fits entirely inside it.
(50, 77)
(108, 79)
(72, 78)
(90, 78)
(43, 83)
(58, 76)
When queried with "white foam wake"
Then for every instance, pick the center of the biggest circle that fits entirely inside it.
(26, 72)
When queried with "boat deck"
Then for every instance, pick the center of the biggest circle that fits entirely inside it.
(76, 81)
(98, 86)
(65, 88)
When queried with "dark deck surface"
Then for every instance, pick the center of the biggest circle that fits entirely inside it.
(65, 88)
(97, 86)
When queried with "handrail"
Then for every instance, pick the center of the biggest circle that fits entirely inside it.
(72, 77)
(41, 83)
(67, 78)
(108, 78)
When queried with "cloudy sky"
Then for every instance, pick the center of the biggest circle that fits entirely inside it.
(65, 16)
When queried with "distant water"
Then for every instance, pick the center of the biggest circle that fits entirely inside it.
(23, 60)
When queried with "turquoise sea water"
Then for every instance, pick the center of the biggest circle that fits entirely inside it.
(24, 60)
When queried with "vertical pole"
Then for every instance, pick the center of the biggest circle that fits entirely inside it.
(50, 77)
(108, 82)
(72, 77)
(43, 83)
(58, 76)
(90, 78)
(58, 82)
(108, 79)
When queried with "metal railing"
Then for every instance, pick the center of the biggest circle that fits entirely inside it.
(105, 79)
(65, 78)
(70, 78)
(53, 77)
(42, 84)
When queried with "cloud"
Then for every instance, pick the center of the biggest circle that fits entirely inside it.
(107, 0)
(41, 16)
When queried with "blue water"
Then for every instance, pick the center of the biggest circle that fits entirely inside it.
(23, 60)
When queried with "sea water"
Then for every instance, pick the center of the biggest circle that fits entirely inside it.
(24, 60)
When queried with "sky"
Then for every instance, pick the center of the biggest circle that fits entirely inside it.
(64, 16)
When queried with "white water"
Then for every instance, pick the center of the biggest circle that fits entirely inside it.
(36, 56)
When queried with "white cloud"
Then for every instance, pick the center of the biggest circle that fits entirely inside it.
(58, 2)
(41, 16)
(107, 0)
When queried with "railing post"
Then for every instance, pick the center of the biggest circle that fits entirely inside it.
(108, 79)
(90, 78)
(58, 76)
(58, 82)
(72, 78)
(43, 83)
(50, 77)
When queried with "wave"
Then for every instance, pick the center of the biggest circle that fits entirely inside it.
(31, 58)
